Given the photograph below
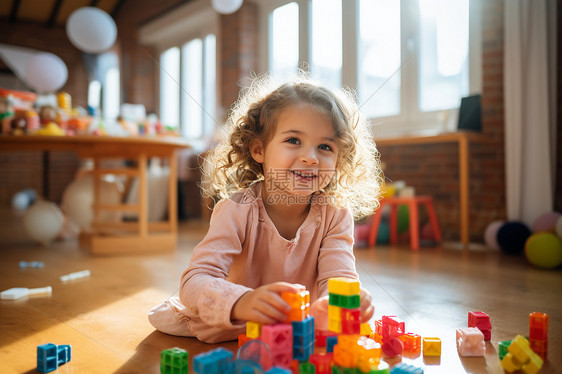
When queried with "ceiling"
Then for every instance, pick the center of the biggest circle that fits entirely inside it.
(51, 12)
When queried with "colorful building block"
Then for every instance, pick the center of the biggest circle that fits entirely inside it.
(215, 361)
(299, 303)
(520, 356)
(344, 286)
(470, 342)
(538, 333)
(365, 329)
(392, 347)
(277, 370)
(481, 321)
(279, 338)
(322, 362)
(47, 359)
(351, 321)
(344, 301)
(320, 337)
(303, 338)
(331, 341)
(174, 361)
(392, 327)
(307, 368)
(253, 330)
(411, 342)
(502, 348)
(403, 368)
(64, 353)
(50, 356)
(431, 346)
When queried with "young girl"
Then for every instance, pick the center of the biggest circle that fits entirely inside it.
(297, 166)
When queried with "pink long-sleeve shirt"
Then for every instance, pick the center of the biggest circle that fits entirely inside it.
(243, 250)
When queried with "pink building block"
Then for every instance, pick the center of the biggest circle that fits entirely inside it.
(470, 342)
(279, 338)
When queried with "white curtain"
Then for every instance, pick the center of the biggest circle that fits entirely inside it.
(530, 99)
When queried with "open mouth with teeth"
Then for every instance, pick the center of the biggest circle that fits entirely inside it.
(303, 176)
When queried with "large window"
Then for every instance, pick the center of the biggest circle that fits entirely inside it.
(410, 61)
(187, 87)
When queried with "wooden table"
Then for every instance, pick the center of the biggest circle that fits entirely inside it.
(118, 237)
(463, 139)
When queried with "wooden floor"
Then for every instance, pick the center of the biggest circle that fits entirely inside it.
(104, 317)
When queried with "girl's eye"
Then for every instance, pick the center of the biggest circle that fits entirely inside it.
(293, 141)
(325, 147)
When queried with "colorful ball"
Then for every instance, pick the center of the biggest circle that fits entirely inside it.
(544, 250)
(512, 237)
(491, 234)
(546, 222)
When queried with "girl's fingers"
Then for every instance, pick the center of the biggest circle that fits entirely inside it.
(283, 287)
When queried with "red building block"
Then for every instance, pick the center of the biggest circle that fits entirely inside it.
(392, 327)
(538, 326)
(350, 321)
(322, 362)
(481, 321)
(393, 347)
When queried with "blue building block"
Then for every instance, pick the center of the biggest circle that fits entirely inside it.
(403, 368)
(174, 361)
(277, 370)
(330, 342)
(47, 358)
(303, 338)
(216, 361)
(63, 353)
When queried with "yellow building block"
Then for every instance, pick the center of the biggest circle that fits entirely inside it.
(334, 325)
(510, 363)
(253, 330)
(344, 286)
(431, 346)
(334, 312)
(533, 366)
(365, 329)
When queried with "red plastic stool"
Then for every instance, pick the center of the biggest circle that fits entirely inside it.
(412, 203)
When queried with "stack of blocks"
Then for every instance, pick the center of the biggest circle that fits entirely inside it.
(390, 331)
(481, 321)
(538, 333)
(174, 361)
(520, 356)
(352, 352)
(50, 356)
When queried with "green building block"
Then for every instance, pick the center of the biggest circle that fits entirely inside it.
(503, 348)
(174, 361)
(307, 368)
(341, 370)
(347, 302)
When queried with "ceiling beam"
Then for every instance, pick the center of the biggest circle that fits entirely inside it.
(54, 13)
(14, 11)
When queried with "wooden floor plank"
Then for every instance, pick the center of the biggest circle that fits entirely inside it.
(104, 316)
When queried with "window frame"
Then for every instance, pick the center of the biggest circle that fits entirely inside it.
(411, 120)
(195, 20)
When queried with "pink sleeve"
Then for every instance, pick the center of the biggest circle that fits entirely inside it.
(336, 257)
(204, 289)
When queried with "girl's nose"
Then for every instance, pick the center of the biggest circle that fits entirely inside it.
(309, 157)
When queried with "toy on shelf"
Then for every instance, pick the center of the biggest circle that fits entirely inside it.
(50, 356)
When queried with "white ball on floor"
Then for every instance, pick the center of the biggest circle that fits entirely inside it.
(43, 222)
(78, 198)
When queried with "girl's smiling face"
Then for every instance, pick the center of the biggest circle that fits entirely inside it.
(300, 158)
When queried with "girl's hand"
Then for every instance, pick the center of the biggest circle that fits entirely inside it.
(319, 310)
(367, 307)
(264, 304)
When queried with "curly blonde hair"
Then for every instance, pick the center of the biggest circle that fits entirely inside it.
(230, 166)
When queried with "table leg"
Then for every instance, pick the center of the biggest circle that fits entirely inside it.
(143, 196)
(173, 195)
(464, 186)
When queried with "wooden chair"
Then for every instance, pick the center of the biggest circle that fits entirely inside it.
(412, 203)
